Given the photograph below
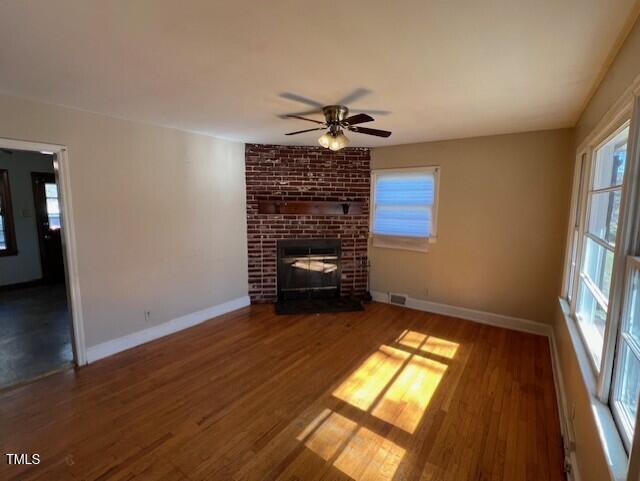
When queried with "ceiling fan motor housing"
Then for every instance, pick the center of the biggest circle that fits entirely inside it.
(334, 115)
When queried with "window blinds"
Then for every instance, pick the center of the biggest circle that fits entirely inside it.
(404, 204)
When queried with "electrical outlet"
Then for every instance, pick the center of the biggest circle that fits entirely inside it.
(147, 315)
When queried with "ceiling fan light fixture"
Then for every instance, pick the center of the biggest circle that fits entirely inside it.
(337, 121)
(325, 139)
(338, 142)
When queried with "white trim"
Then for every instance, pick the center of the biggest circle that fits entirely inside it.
(68, 236)
(576, 190)
(115, 346)
(417, 244)
(498, 320)
(566, 428)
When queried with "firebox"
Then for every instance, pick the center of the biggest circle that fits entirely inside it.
(308, 277)
(308, 269)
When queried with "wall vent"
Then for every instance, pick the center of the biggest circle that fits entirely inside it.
(399, 299)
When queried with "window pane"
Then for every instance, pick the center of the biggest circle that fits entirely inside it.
(51, 190)
(53, 207)
(407, 222)
(404, 190)
(54, 222)
(631, 323)
(591, 319)
(628, 388)
(598, 265)
(610, 161)
(603, 215)
(3, 243)
(572, 267)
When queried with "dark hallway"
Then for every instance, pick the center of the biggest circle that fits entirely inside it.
(35, 327)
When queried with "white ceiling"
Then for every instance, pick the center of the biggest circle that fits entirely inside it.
(440, 68)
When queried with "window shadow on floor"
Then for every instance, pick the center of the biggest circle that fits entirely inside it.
(374, 414)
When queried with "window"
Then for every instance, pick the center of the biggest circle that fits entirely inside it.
(53, 206)
(7, 231)
(600, 226)
(404, 208)
(574, 234)
(626, 382)
(602, 272)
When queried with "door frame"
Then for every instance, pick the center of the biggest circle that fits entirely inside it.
(68, 236)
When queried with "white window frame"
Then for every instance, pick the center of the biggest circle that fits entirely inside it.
(599, 378)
(632, 265)
(578, 230)
(418, 244)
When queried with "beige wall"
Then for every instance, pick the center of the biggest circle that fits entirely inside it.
(501, 224)
(159, 215)
(589, 450)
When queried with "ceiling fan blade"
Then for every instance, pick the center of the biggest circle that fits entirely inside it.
(376, 132)
(357, 94)
(358, 119)
(306, 112)
(301, 99)
(369, 111)
(303, 131)
(304, 118)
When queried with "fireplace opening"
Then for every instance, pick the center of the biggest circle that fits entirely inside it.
(309, 272)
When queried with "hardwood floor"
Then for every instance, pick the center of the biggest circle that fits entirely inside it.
(384, 394)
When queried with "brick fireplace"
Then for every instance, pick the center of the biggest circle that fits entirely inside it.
(312, 174)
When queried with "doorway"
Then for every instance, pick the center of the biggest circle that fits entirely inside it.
(37, 322)
(46, 199)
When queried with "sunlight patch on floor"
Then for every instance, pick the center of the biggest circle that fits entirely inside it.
(363, 387)
(441, 347)
(395, 384)
(430, 344)
(356, 451)
(406, 400)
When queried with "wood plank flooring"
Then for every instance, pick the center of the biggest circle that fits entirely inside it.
(384, 394)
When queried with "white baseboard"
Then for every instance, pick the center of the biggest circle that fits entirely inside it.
(498, 320)
(561, 398)
(114, 346)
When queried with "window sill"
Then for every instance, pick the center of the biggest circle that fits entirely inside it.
(612, 446)
(415, 244)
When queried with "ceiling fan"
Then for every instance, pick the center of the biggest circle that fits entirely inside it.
(337, 120)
